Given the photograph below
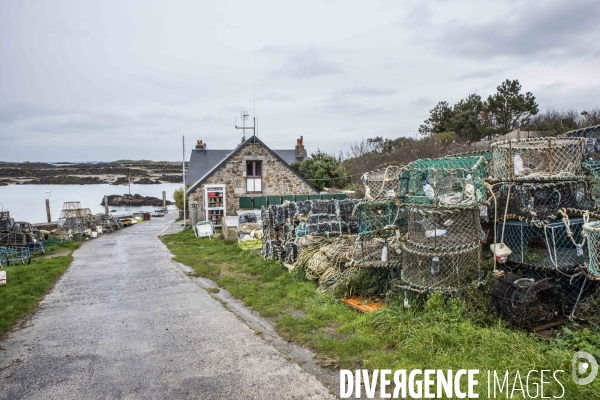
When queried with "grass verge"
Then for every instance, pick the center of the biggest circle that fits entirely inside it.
(27, 284)
(439, 334)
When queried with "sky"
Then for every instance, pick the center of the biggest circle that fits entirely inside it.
(107, 80)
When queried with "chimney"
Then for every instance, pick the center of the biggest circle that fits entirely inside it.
(300, 148)
(199, 145)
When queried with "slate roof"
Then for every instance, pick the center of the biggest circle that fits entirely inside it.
(203, 163)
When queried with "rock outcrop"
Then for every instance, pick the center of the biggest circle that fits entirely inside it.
(134, 200)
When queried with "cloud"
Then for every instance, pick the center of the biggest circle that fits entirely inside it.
(558, 28)
(303, 63)
(483, 73)
(13, 112)
(367, 92)
(277, 97)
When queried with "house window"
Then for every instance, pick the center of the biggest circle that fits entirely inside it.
(253, 176)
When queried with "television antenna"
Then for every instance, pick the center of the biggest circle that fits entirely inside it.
(244, 115)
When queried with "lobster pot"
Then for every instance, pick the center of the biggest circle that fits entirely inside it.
(438, 270)
(71, 205)
(525, 302)
(291, 253)
(382, 183)
(537, 159)
(552, 246)
(344, 209)
(592, 230)
(281, 214)
(272, 249)
(538, 203)
(301, 229)
(13, 239)
(293, 210)
(381, 217)
(376, 252)
(456, 182)
(247, 218)
(5, 225)
(322, 206)
(304, 207)
(591, 135)
(592, 168)
(437, 228)
(588, 307)
(366, 282)
(323, 225)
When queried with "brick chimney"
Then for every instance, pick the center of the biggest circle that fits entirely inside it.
(200, 145)
(300, 148)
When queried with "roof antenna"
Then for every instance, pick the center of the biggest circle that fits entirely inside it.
(244, 115)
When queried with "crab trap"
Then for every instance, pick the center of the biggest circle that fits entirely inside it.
(592, 231)
(323, 225)
(588, 307)
(376, 252)
(448, 182)
(322, 206)
(382, 183)
(579, 292)
(538, 203)
(291, 253)
(592, 168)
(381, 217)
(558, 245)
(5, 221)
(273, 250)
(247, 218)
(537, 159)
(443, 229)
(591, 135)
(526, 302)
(441, 270)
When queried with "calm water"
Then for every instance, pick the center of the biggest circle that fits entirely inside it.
(28, 202)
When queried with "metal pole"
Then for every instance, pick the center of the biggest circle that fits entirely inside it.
(164, 200)
(184, 220)
(48, 210)
(106, 204)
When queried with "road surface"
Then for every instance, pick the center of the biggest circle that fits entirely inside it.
(125, 322)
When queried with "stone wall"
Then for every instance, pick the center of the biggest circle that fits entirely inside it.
(277, 178)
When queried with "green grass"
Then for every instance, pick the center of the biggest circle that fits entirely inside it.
(438, 334)
(27, 284)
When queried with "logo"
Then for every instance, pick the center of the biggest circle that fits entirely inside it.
(584, 364)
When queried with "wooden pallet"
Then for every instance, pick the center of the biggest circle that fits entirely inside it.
(363, 305)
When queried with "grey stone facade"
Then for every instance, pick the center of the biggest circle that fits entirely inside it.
(277, 177)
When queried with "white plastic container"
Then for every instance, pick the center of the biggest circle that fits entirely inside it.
(2, 278)
(518, 164)
(435, 232)
(428, 191)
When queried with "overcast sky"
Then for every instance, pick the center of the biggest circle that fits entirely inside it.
(104, 80)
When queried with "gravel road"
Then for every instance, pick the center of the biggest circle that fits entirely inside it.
(125, 322)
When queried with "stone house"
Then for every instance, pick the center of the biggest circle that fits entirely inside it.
(250, 169)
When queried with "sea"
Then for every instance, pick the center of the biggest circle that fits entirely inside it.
(28, 202)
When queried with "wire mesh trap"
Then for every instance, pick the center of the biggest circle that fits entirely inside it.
(247, 217)
(381, 217)
(448, 182)
(592, 231)
(588, 308)
(5, 221)
(273, 250)
(443, 229)
(540, 202)
(376, 252)
(323, 225)
(526, 302)
(382, 183)
(592, 168)
(537, 159)
(557, 245)
(437, 270)
(591, 135)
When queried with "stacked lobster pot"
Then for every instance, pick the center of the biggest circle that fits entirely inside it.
(75, 220)
(543, 199)
(382, 183)
(442, 198)
(276, 231)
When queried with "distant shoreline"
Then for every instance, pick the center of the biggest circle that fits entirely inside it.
(142, 172)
